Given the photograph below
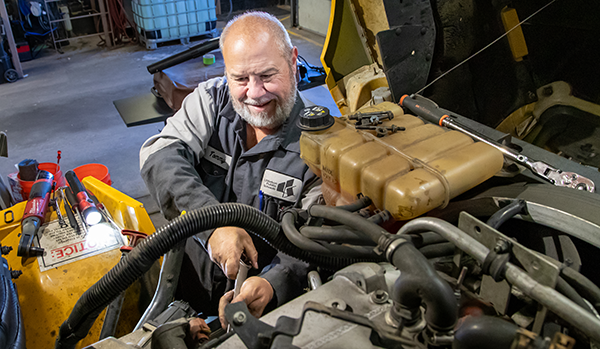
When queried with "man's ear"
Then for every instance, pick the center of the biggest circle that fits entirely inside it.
(294, 56)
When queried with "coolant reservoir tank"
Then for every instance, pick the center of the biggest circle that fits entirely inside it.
(407, 172)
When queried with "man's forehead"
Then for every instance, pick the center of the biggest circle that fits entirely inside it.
(240, 38)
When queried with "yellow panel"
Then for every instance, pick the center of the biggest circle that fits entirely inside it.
(345, 50)
(516, 39)
(371, 16)
(126, 211)
(47, 298)
(351, 47)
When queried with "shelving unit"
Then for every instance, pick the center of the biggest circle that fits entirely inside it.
(11, 41)
(65, 21)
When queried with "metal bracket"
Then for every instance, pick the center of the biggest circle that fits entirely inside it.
(258, 335)
(541, 268)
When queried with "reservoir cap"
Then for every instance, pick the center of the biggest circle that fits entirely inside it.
(315, 118)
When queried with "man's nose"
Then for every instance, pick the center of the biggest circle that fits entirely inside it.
(256, 88)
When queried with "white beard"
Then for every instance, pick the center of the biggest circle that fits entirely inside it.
(262, 119)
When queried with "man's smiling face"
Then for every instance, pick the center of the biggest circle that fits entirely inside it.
(260, 77)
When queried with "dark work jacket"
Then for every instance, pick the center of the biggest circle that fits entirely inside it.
(200, 159)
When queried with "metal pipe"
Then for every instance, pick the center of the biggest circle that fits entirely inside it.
(451, 233)
(554, 301)
(167, 284)
(550, 298)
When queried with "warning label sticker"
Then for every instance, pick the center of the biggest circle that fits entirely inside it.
(64, 245)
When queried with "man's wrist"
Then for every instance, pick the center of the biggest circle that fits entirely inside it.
(203, 237)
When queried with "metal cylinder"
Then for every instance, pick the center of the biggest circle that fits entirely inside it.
(241, 277)
(314, 280)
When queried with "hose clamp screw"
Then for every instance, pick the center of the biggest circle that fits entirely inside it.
(380, 297)
(239, 318)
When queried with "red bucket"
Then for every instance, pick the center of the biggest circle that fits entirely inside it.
(51, 167)
(97, 171)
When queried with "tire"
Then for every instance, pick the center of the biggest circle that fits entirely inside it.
(11, 75)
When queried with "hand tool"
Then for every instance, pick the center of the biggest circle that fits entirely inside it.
(239, 280)
(34, 215)
(241, 277)
(54, 204)
(429, 111)
(84, 203)
(68, 210)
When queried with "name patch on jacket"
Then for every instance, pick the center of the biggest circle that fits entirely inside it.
(217, 157)
(281, 186)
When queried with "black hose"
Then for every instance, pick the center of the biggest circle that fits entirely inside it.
(426, 238)
(341, 234)
(438, 250)
(579, 283)
(419, 283)
(141, 258)
(380, 217)
(583, 285)
(191, 53)
(488, 332)
(372, 230)
(563, 287)
(356, 205)
(288, 225)
(506, 213)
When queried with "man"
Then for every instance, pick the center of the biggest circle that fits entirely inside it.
(231, 141)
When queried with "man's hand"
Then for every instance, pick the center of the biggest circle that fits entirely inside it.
(199, 330)
(225, 247)
(256, 292)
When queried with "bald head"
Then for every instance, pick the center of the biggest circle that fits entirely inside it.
(256, 27)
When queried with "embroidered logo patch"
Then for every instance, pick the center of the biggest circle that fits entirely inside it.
(281, 186)
(217, 157)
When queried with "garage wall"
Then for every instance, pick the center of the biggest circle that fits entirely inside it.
(313, 15)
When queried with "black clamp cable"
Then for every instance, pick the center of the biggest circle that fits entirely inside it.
(497, 259)
(390, 243)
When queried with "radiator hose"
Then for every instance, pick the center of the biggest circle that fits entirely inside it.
(140, 259)
(491, 333)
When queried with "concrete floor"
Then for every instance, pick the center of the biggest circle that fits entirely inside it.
(65, 103)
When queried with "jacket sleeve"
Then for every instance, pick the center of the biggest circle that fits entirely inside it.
(168, 160)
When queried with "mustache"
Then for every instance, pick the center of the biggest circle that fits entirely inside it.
(260, 101)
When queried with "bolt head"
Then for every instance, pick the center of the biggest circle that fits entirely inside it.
(380, 297)
(568, 262)
(239, 318)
